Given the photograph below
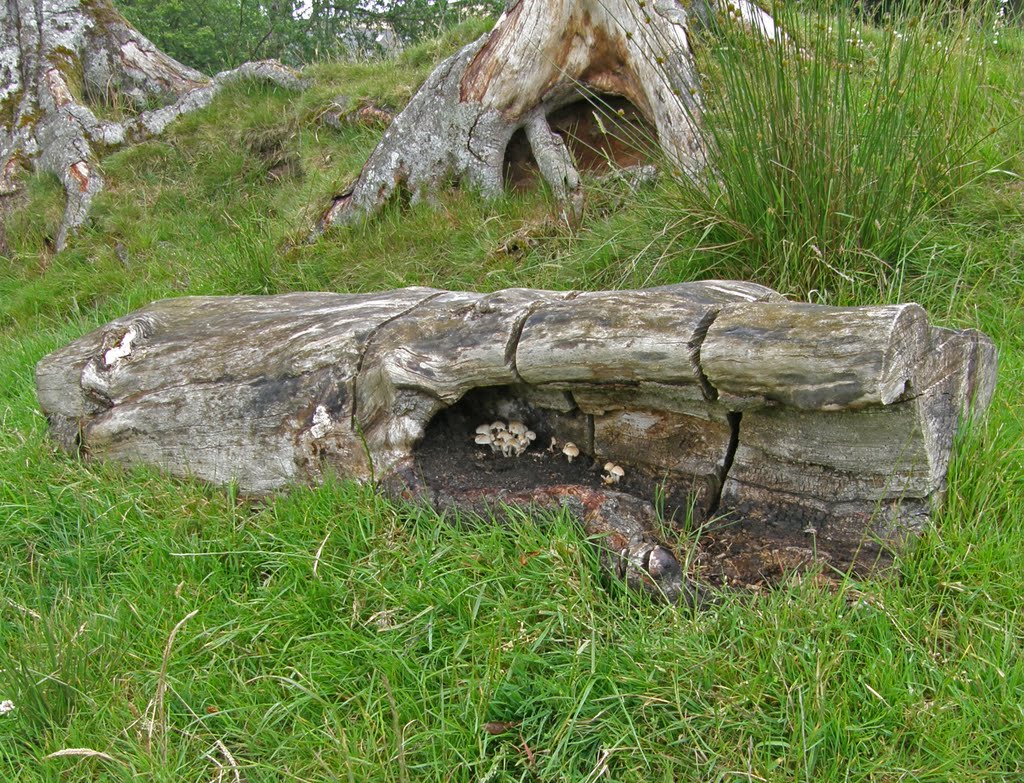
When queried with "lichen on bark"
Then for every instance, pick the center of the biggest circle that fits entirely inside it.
(540, 57)
(53, 56)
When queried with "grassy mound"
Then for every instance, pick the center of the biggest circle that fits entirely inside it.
(180, 633)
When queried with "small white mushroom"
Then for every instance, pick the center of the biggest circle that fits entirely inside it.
(517, 428)
(530, 436)
(553, 446)
(612, 473)
(498, 426)
(502, 443)
(571, 451)
(483, 439)
(483, 429)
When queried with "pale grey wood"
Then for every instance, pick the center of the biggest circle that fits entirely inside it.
(869, 475)
(851, 477)
(737, 404)
(813, 357)
(624, 336)
(225, 389)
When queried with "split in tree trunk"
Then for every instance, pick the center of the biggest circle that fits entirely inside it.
(507, 101)
(58, 57)
(786, 433)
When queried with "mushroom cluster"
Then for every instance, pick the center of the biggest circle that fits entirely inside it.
(509, 440)
(612, 473)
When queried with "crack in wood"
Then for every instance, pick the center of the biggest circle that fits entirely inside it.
(515, 335)
(368, 342)
(700, 333)
(734, 418)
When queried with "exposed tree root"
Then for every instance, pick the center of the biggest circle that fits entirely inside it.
(57, 56)
(541, 57)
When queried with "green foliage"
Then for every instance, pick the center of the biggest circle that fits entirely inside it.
(338, 636)
(214, 35)
(415, 20)
(829, 141)
(210, 36)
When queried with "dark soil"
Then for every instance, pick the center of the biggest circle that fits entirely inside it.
(448, 457)
(721, 554)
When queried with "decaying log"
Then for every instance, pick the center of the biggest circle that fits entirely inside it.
(733, 407)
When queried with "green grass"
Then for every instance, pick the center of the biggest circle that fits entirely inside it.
(829, 142)
(336, 636)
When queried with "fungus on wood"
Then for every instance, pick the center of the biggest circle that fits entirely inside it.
(528, 96)
(59, 62)
(777, 433)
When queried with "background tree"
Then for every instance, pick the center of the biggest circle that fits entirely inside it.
(495, 100)
(213, 35)
(210, 36)
(63, 65)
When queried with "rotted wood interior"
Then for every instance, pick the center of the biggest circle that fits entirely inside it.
(448, 457)
(722, 549)
(602, 132)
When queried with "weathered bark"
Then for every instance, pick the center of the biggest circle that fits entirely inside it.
(541, 57)
(731, 404)
(57, 57)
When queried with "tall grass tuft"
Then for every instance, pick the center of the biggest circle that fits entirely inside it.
(828, 139)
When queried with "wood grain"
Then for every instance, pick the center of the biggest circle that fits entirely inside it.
(836, 423)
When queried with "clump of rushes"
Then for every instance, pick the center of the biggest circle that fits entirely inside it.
(829, 141)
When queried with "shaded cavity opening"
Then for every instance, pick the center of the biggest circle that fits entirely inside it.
(736, 551)
(449, 460)
(602, 132)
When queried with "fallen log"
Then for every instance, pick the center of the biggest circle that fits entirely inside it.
(826, 430)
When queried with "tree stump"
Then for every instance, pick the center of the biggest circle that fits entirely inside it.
(777, 433)
(63, 59)
(514, 103)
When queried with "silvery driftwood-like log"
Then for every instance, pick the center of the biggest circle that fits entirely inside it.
(737, 409)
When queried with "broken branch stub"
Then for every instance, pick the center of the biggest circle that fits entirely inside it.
(824, 429)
